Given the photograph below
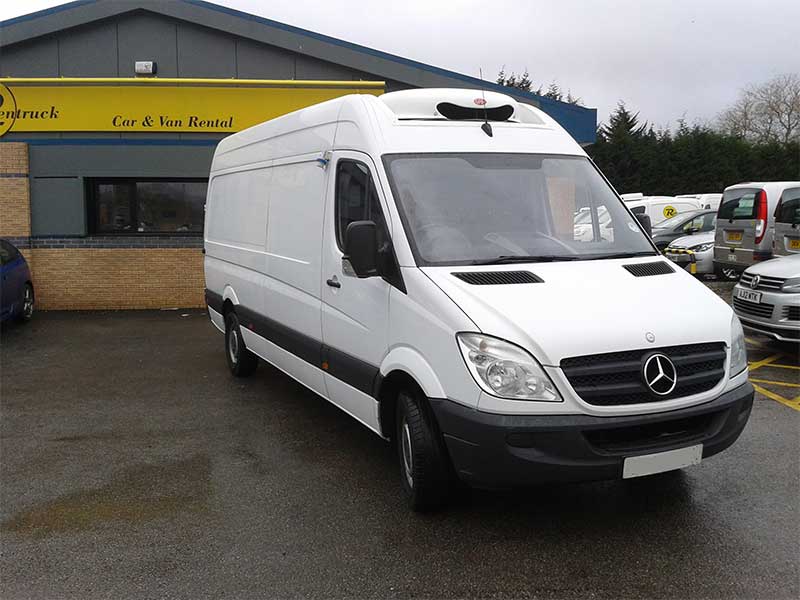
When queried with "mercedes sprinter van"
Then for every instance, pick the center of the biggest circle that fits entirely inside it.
(413, 259)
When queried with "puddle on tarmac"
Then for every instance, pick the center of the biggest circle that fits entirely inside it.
(138, 494)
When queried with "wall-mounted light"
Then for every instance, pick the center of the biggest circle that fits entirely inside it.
(145, 67)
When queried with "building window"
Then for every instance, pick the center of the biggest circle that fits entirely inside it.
(147, 207)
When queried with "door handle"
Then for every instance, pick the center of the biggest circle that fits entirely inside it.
(334, 282)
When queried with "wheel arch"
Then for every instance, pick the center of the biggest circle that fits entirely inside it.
(403, 367)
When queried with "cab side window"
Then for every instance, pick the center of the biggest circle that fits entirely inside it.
(357, 200)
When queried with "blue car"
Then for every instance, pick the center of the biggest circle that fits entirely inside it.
(16, 287)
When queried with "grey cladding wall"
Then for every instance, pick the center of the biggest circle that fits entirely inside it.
(180, 49)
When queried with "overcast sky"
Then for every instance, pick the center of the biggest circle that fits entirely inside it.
(666, 59)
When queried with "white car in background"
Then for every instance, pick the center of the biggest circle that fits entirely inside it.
(767, 298)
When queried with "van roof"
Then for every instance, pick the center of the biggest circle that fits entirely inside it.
(409, 121)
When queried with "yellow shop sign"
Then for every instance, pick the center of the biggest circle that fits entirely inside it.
(160, 105)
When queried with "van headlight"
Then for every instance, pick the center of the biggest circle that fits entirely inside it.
(505, 370)
(738, 348)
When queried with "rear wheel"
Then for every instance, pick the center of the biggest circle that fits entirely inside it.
(28, 300)
(241, 361)
(424, 467)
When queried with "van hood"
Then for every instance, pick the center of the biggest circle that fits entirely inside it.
(589, 307)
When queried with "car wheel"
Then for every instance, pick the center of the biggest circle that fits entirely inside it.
(28, 301)
(730, 274)
(241, 361)
(424, 465)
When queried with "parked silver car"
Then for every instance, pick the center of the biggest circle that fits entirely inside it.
(786, 239)
(745, 223)
(767, 298)
(695, 253)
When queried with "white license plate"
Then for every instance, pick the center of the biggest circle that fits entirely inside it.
(638, 466)
(748, 295)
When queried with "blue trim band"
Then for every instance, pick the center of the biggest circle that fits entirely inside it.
(47, 11)
(13, 175)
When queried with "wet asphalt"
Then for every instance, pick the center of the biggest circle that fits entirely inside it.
(133, 465)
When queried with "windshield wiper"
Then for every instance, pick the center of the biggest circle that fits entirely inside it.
(516, 258)
(617, 255)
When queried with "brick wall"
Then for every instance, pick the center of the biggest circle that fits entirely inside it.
(96, 272)
(15, 203)
(110, 278)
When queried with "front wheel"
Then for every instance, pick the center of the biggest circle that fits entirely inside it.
(424, 467)
(728, 273)
(241, 361)
(28, 299)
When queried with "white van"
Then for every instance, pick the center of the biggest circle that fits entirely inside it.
(661, 208)
(707, 200)
(412, 259)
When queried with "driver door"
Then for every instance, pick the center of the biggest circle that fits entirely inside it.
(355, 312)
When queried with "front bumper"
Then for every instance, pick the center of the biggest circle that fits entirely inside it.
(500, 451)
(780, 324)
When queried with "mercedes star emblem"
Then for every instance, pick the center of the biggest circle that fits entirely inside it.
(659, 374)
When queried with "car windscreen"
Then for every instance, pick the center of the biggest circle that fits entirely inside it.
(738, 204)
(675, 221)
(478, 208)
(789, 208)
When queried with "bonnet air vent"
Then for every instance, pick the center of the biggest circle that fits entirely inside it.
(497, 277)
(475, 113)
(649, 269)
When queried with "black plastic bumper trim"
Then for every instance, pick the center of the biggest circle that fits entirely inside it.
(478, 442)
(353, 371)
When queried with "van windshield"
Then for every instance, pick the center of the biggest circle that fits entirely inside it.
(461, 209)
(789, 207)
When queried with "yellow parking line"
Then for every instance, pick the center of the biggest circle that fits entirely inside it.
(771, 366)
(766, 361)
(797, 385)
(785, 401)
(753, 342)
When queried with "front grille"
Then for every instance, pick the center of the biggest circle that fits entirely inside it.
(615, 378)
(764, 283)
(649, 269)
(497, 277)
(642, 437)
(752, 308)
(791, 313)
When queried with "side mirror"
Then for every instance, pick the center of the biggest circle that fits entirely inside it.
(644, 221)
(361, 248)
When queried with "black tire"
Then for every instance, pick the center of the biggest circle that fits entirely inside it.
(241, 361)
(427, 479)
(727, 273)
(28, 302)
